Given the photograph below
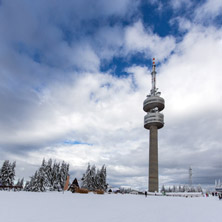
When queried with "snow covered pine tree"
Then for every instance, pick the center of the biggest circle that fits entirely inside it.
(7, 173)
(64, 172)
(19, 184)
(93, 180)
(102, 179)
(49, 177)
(86, 179)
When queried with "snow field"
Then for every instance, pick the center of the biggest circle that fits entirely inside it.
(68, 207)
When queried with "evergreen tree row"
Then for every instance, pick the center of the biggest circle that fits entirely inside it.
(183, 188)
(51, 176)
(94, 179)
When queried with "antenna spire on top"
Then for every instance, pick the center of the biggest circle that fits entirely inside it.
(153, 73)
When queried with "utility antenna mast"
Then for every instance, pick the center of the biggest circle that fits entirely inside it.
(190, 176)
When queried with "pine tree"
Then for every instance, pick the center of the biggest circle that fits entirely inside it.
(163, 190)
(64, 172)
(89, 178)
(17, 184)
(183, 188)
(86, 180)
(93, 180)
(20, 184)
(8, 173)
(0, 177)
(199, 188)
(48, 174)
(34, 183)
(56, 176)
(98, 180)
(92, 183)
(48, 177)
(27, 186)
(102, 178)
(41, 177)
(38, 181)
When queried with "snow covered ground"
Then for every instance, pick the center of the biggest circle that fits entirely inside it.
(68, 207)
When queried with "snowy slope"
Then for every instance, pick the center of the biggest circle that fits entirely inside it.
(68, 207)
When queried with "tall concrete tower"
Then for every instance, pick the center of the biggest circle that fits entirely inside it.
(153, 121)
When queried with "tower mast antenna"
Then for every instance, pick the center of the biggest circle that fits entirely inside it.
(153, 73)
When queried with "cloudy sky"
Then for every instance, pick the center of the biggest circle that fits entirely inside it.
(74, 75)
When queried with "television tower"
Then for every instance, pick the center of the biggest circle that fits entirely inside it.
(153, 121)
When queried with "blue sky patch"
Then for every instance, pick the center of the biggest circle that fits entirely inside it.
(76, 142)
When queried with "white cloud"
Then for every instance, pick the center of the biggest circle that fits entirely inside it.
(83, 57)
(209, 10)
(177, 4)
(139, 39)
(108, 41)
(191, 85)
(184, 24)
(192, 73)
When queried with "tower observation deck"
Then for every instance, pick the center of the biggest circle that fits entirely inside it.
(153, 121)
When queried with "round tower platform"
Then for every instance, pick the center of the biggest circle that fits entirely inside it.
(153, 119)
(152, 102)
